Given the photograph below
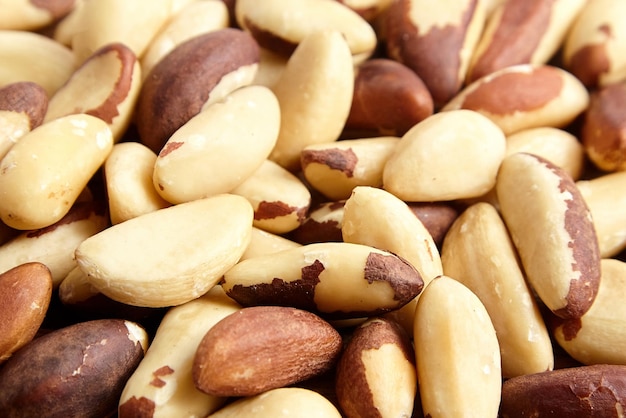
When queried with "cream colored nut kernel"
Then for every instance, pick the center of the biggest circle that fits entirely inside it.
(271, 67)
(556, 145)
(170, 256)
(76, 289)
(29, 56)
(279, 198)
(334, 279)
(293, 402)
(163, 380)
(263, 242)
(32, 15)
(128, 178)
(478, 252)
(281, 26)
(65, 29)
(447, 156)
(216, 151)
(335, 169)
(552, 230)
(376, 371)
(525, 96)
(44, 173)
(315, 95)
(596, 337)
(605, 196)
(456, 352)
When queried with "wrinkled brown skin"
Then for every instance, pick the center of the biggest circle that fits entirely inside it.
(25, 97)
(585, 391)
(69, 372)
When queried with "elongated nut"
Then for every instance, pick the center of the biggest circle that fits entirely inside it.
(22, 109)
(25, 294)
(478, 252)
(376, 371)
(596, 390)
(279, 198)
(457, 357)
(44, 173)
(289, 345)
(216, 64)
(170, 256)
(315, 93)
(291, 401)
(525, 96)
(333, 279)
(204, 157)
(447, 156)
(162, 383)
(31, 15)
(539, 200)
(112, 76)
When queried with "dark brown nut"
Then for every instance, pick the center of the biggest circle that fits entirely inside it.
(322, 224)
(437, 217)
(335, 280)
(79, 370)
(23, 106)
(585, 391)
(525, 96)
(376, 373)
(592, 50)
(553, 232)
(523, 32)
(261, 348)
(389, 98)
(25, 293)
(33, 14)
(214, 64)
(603, 132)
(438, 44)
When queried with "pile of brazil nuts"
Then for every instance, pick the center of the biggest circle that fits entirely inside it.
(312, 208)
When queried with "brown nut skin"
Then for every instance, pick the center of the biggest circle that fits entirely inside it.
(261, 348)
(322, 224)
(170, 97)
(389, 98)
(437, 217)
(25, 97)
(25, 293)
(79, 370)
(585, 391)
(603, 131)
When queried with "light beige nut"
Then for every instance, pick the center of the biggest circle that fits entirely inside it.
(604, 195)
(556, 145)
(93, 358)
(29, 56)
(204, 157)
(478, 252)
(315, 94)
(25, 294)
(128, 179)
(289, 345)
(592, 50)
(216, 63)
(376, 373)
(294, 402)
(334, 169)
(322, 224)
(263, 242)
(552, 230)
(596, 337)
(336, 280)
(523, 32)
(170, 256)
(43, 174)
(54, 245)
(162, 384)
(457, 357)
(436, 44)
(32, 15)
(279, 198)
(447, 156)
(281, 26)
(583, 391)
(370, 10)
(525, 96)
(65, 29)
(22, 108)
(270, 69)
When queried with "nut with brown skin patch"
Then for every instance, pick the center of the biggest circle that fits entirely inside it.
(33, 14)
(289, 345)
(322, 224)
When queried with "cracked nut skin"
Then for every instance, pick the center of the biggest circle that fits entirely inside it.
(264, 347)
(79, 370)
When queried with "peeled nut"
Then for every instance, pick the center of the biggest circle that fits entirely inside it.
(31, 15)
(263, 242)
